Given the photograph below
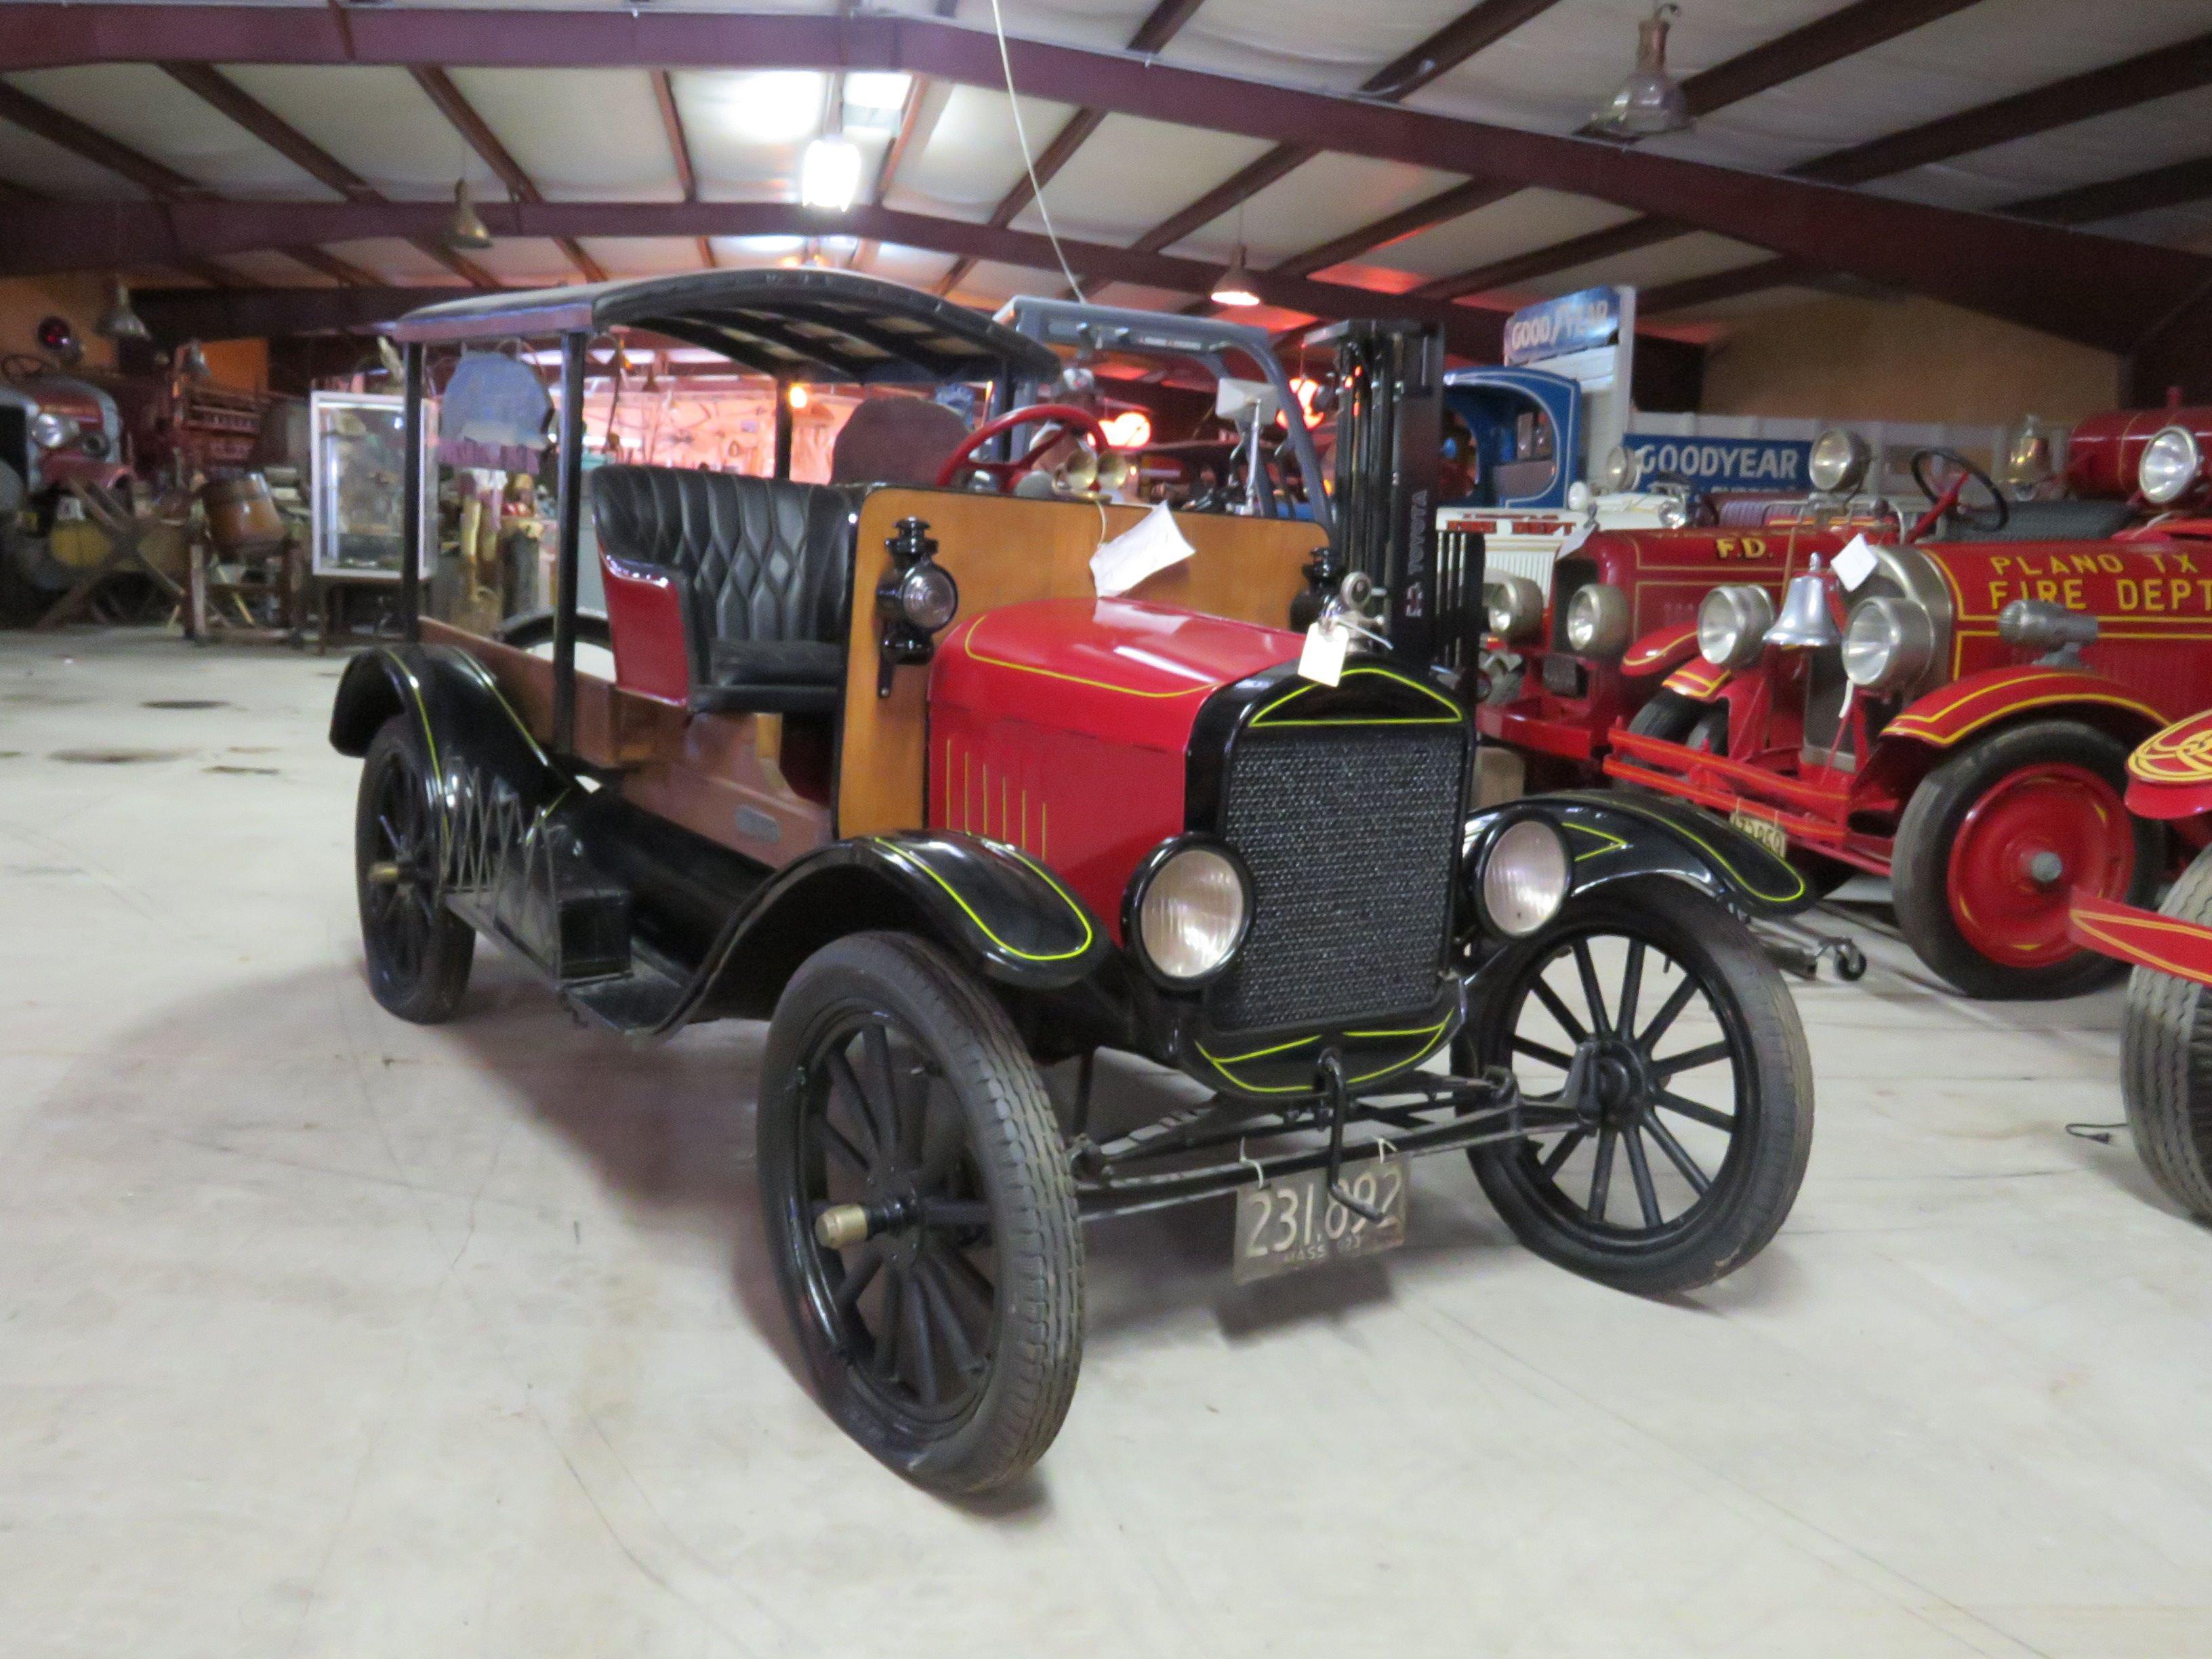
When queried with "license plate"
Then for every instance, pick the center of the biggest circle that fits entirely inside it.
(1283, 1225)
(1765, 831)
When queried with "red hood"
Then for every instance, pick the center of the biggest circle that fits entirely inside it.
(1118, 669)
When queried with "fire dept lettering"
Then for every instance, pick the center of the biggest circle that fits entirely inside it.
(2142, 582)
(1739, 547)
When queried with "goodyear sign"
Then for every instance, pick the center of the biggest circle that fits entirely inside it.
(1757, 464)
(1556, 328)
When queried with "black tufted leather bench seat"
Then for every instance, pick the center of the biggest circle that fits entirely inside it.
(761, 569)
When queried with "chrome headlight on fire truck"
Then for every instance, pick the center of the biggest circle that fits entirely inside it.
(2169, 465)
(1189, 907)
(1838, 463)
(51, 431)
(1732, 624)
(1516, 606)
(1887, 644)
(1597, 621)
(1621, 470)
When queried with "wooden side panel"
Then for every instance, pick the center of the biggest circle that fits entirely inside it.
(1005, 551)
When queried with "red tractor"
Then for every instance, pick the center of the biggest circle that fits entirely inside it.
(1953, 707)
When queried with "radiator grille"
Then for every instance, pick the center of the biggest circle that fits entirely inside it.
(1350, 833)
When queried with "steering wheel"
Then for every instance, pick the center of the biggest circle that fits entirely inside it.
(1059, 419)
(1944, 503)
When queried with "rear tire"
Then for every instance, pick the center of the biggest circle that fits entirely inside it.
(2166, 1061)
(1960, 872)
(1731, 1194)
(948, 1348)
(418, 953)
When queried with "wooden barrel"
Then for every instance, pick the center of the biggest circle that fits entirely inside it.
(241, 515)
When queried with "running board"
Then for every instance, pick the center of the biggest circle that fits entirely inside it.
(633, 1002)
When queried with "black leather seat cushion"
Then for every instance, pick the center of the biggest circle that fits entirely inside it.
(2049, 522)
(764, 569)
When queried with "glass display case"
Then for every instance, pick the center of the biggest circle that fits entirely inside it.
(357, 475)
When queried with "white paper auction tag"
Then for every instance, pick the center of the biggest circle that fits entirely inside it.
(1322, 659)
(1854, 564)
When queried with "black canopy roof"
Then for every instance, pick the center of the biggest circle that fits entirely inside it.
(797, 324)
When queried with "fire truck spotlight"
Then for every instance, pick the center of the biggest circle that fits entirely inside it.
(2039, 625)
(1597, 621)
(1837, 463)
(2169, 465)
(1621, 470)
(1732, 624)
(1516, 606)
(1887, 644)
(1191, 903)
(1526, 873)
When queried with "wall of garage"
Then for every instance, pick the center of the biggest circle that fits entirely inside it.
(1903, 360)
(24, 301)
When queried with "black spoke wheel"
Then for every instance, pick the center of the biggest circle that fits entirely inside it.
(418, 951)
(921, 1214)
(1652, 1011)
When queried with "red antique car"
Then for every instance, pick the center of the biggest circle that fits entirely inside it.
(2166, 1065)
(1954, 709)
(878, 764)
(55, 430)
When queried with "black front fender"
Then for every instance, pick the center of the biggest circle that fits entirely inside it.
(1620, 837)
(995, 909)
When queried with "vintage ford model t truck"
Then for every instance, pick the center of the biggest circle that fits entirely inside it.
(878, 763)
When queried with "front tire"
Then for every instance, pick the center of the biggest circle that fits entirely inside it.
(2166, 1061)
(1993, 843)
(418, 953)
(1673, 717)
(1699, 1081)
(947, 1342)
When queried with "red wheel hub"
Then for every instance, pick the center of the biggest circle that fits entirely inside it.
(2034, 837)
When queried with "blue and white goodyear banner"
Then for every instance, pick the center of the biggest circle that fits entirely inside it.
(1775, 464)
(1583, 321)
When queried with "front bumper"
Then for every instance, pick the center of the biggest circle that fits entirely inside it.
(1814, 815)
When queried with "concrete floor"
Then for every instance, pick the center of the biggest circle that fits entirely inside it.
(323, 1334)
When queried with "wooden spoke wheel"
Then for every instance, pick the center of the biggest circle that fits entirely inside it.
(1995, 842)
(1653, 1012)
(418, 951)
(919, 1207)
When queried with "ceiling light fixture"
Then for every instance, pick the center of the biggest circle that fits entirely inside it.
(1649, 101)
(1234, 288)
(829, 175)
(119, 321)
(466, 229)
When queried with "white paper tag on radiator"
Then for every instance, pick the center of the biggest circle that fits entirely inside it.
(1323, 658)
(1854, 564)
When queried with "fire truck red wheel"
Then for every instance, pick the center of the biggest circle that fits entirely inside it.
(2166, 1061)
(1994, 841)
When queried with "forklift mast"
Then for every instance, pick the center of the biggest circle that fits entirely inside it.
(1389, 438)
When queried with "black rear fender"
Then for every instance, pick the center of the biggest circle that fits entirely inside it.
(1620, 837)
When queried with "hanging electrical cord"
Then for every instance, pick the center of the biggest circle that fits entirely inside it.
(1022, 137)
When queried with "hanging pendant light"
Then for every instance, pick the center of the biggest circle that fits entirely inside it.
(191, 362)
(119, 321)
(1234, 288)
(466, 230)
(1649, 101)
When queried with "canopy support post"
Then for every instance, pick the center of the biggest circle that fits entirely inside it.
(572, 522)
(411, 527)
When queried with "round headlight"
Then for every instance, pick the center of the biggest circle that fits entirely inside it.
(1516, 606)
(1597, 621)
(1838, 461)
(1191, 909)
(1673, 512)
(928, 597)
(2168, 467)
(1887, 644)
(1621, 470)
(50, 430)
(1732, 624)
(1524, 877)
